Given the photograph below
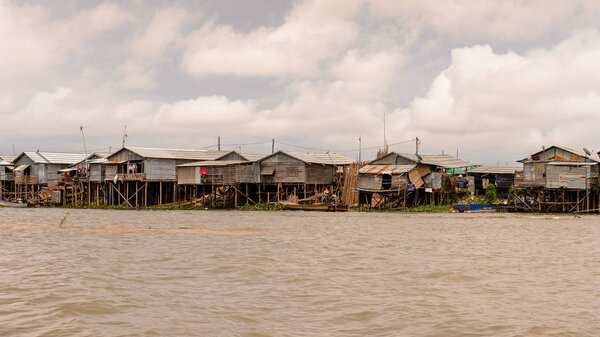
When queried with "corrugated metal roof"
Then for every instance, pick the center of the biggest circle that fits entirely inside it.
(571, 163)
(593, 156)
(55, 157)
(101, 155)
(213, 163)
(7, 158)
(385, 169)
(440, 160)
(252, 156)
(186, 154)
(320, 158)
(491, 169)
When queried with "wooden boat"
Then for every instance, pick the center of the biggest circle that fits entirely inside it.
(474, 208)
(317, 207)
(6, 203)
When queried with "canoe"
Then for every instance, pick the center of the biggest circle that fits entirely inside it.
(474, 208)
(6, 203)
(317, 207)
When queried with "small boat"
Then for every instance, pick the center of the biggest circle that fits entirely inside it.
(6, 203)
(317, 207)
(474, 208)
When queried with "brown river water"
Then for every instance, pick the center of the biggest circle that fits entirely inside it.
(236, 273)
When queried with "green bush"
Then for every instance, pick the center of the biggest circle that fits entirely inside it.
(490, 194)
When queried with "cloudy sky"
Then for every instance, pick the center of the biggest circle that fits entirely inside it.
(493, 80)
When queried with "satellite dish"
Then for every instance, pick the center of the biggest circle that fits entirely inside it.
(587, 151)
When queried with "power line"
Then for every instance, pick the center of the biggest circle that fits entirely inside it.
(346, 150)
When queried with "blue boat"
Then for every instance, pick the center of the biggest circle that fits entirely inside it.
(6, 203)
(474, 208)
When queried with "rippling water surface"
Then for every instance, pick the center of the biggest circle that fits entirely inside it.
(229, 273)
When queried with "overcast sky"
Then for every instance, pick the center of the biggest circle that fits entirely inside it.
(495, 80)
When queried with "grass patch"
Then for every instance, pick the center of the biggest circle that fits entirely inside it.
(261, 207)
(417, 209)
(429, 209)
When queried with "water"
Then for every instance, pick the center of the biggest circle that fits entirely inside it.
(228, 273)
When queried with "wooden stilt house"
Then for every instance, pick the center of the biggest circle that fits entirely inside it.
(32, 168)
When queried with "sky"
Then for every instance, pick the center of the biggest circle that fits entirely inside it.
(493, 81)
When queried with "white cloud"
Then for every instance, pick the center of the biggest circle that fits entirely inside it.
(492, 18)
(203, 113)
(499, 104)
(163, 32)
(32, 43)
(313, 32)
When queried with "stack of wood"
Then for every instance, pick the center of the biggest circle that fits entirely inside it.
(349, 192)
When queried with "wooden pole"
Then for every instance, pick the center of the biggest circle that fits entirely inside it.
(212, 197)
(160, 193)
(146, 195)
(235, 202)
(247, 193)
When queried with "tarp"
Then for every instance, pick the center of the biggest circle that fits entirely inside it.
(70, 169)
(21, 168)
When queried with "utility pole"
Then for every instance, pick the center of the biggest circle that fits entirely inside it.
(110, 149)
(219, 143)
(273, 145)
(83, 136)
(359, 149)
(385, 146)
(124, 135)
(14, 152)
(417, 146)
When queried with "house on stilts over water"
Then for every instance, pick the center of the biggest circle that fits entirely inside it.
(401, 180)
(559, 179)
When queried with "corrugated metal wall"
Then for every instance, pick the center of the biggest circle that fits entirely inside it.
(285, 172)
(533, 173)
(97, 172)
(110, 172)
(125, 155)
(570, 177)
(160, 169)
(369, 181)
(248, 173)
(52, 174)
(319, 174)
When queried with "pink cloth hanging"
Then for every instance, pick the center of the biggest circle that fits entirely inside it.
(203, 171)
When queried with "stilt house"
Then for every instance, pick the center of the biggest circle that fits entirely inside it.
(152, 164)
(400, 171)
(288, 167)
(6, 168)
(232, 168)
(42, 168)
(502, 177)
(559, 167)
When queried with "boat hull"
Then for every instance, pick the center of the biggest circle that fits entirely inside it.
(5, 203)
(474, 208)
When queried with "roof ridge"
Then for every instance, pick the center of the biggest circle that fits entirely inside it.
(39, 154)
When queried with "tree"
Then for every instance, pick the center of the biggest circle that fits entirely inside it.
(490, 194)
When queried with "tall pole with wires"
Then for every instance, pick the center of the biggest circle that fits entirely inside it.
(385, 145)
(359, 149)
(124, 135)
(83, 136)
